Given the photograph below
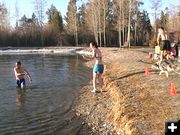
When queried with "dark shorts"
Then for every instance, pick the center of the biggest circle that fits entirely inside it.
(98, 68)
(21, 81)
(165, 45)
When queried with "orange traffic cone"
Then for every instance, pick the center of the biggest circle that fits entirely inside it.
(172, 89)
(146, 72)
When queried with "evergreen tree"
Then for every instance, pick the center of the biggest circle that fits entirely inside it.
(51, 12)
(57, 21)
(55, 18)
(34, 19)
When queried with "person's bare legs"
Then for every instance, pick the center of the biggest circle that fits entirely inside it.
(161, 55)
(94, 82)
(100, 81)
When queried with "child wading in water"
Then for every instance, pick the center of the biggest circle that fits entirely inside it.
(20, 72)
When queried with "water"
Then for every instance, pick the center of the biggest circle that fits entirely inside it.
(45, 106)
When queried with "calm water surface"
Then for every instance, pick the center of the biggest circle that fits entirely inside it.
(45, 106)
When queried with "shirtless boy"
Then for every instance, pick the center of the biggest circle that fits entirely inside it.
(20, 72)
(98, 66)
(163, 43)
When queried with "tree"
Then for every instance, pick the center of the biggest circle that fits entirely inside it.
(71, 20)
(97, 20)
(164, 18)
(23, 21)
(3, 17)
(39, 9)
(55, 25)
(156, 4)
(50, 12)
(174, 18)
(16, 13)
(84, 33)
(57, 21)
(34, 19)
(144, 28)
(55, 18)
(124, 12)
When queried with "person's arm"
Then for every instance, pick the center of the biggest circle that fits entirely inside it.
(93, 54)
(86, 57)
(90, 57)
(15, 73)
(28, 75)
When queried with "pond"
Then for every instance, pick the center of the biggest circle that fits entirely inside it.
(45, 106)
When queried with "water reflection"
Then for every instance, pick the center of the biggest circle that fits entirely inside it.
(20, 96)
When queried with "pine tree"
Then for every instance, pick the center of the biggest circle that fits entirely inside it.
(51, 12)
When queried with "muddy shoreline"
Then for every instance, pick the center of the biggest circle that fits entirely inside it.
(131, 104)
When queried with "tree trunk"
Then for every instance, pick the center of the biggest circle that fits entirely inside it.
(95, 23)
(125, 39)
(99, 23)
(76, 30)
(129, 26)
(104, 25)
(120, 43)
(120, 23)
(42, 38)
(135, 38)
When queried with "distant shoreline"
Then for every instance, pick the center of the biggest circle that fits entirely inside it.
(34, 50)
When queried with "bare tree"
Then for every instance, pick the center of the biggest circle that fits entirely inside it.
(71, 19)
(91, 19)
(75, 25)
(118, 18)
(132, 12)
(156, 4)
(3, 17)
(104, 20)
(174, 18)
(39, 9)
(16, 13)
(99, 21)
(123, 15)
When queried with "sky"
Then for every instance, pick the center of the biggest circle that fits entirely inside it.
(27, 6)
(171, 4)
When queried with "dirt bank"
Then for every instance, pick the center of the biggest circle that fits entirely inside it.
(131, 103)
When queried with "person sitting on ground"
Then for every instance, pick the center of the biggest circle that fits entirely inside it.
(20, 72)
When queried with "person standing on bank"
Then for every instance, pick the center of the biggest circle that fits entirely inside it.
(20, 72)
(163, 43)
(98, 67)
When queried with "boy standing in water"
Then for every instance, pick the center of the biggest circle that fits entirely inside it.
(20, 72)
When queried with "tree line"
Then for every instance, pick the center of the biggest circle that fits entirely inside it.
(108, 22)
